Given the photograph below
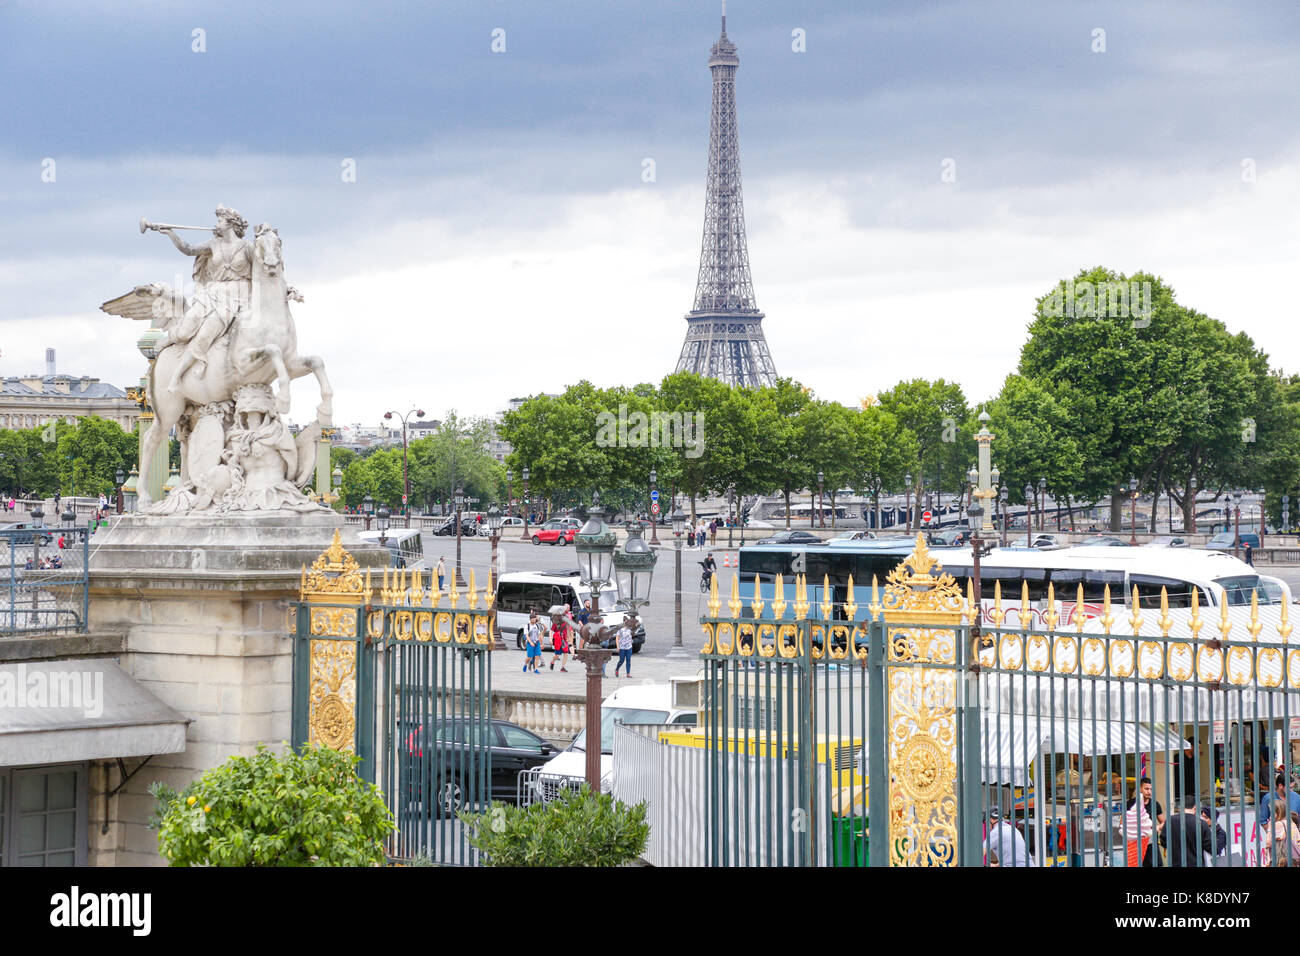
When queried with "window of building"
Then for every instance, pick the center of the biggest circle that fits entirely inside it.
(43, 816)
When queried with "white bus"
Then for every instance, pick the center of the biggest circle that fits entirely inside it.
(405, 550)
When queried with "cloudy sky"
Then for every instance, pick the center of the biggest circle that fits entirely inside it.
(499, 239)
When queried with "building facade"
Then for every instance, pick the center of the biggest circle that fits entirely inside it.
(27, 401)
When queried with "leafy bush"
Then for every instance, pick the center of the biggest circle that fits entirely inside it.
(296, 809)
(580, 828)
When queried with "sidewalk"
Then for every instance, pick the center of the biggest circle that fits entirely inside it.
(507, 675)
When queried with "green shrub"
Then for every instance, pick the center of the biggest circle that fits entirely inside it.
(581, 828)
(295, 809)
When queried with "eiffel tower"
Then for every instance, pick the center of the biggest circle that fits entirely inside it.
(724, 333)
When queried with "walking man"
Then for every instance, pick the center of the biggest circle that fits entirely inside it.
(624, 644)
(442, 572)
(1154, 812)
(1187, 835)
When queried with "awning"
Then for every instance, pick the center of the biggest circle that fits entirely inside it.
(1011, 742)
(65, 711)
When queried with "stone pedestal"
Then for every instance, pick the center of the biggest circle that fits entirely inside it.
(202, 603)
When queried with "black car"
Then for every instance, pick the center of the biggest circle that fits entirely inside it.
(449, 766)
(468, 528)
(792, 537)
(20, 533)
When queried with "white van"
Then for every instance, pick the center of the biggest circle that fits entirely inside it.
(405, 550)
(676, 702)
(520, 592)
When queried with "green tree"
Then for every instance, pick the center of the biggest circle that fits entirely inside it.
(931, 415)
(295, 809)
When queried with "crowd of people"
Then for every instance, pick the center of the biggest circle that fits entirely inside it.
(568, 632)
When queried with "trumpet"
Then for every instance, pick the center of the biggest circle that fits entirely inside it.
(146, 225)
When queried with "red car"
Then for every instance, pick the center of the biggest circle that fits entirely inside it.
(557, 531)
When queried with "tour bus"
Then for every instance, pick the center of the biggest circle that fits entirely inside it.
(1218, 577)
(404, 547)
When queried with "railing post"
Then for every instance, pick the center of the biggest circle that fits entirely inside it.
(878, 749)
(970, 791)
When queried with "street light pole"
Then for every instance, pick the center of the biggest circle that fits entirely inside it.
(1003, 495)
(494, 532)
(528, 504)
(1132, 511)
(121, 480)
(654, 518)
(821, 499)
(460, 502)
(594, 549)
(510, 500)
(731, 512)
(368, 506)
(406, 480)
(907, 499)
(679, 525)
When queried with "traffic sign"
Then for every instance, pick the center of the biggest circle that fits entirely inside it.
(654, 507)
(403, 499)
(926, 516)
(654, 494)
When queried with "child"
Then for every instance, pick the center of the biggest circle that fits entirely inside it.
(533, 645)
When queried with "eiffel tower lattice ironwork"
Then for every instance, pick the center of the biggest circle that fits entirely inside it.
(724, 334)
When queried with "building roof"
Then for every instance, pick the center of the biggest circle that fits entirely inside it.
(78, 387)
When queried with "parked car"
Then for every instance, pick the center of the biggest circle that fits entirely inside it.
(1227, 540)
(1044, 542)
(22, 533)
(557, 531)
(445, 767)
(792, 537)
(853, 536)
(511, 521)
(1166, 541)
(1104, 541)
(468, 527)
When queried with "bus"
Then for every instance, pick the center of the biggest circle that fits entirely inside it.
(1217, 577)
(405, 550)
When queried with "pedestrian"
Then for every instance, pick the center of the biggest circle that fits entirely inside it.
(1250, 554)
(533, 644)
(624, 643)
(560, 638)
(62, 543)
(584, 614)
(1186, 835)
(1145, 815)
(713, 532)
(1003, 841)
(1281, 801)
(442, 572)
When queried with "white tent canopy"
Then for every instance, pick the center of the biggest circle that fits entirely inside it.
(1012, 742)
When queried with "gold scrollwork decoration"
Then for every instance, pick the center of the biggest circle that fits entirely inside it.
(332, 699)
(725, 636)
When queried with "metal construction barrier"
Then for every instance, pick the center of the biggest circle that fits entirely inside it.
(908, 732)
(45, 585)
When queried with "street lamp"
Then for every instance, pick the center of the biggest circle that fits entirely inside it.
(69, 516)
(368, 506)
(654, 504)
(381, 522)
(907, 490)
(460, 503)
(1236, 534)
(1133, 510)
(1286, 514)
(634, 566)
(679, 525)
(1191, 491)
(121, 480)
(1029, 513)
(1042, 505)
(336, 481)
(731, 512)
(528, 503)
(594, 547)
(821, 499)
(493, 519)
(406, 480)
(510, 499)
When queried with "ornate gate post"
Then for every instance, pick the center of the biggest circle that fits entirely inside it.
(923, 669)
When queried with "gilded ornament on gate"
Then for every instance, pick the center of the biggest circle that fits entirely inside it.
(331, 707)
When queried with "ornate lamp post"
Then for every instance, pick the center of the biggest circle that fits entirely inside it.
(634, 566)
(37, 514)
(984, 491)
(1286, 514)
(679, 525)
(130, 490)
(406, 480)
(460, 503)
(1042, 507)
(1003, 495)
(654, 518)
(907, 493)
(821, 498)
(1191, 491)
(1132, 511)
(494, 535)
(121, 480)
(731, 512)
(528, 504)
(1236, 532)
(381, 522)
(594, 548)
(368, 507)
(336, 481)
(510, 500)
(975, 519)
(1029, 512)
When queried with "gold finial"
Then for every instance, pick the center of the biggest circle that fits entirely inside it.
(1052, 617)
(874, 607)
(1080, 615)
(453, 593)
(1255, 624)
(490, 592)
(734, 604)
(1195, 624)
(714, 603)
(756, 605)
(435, 592)
(417, 587)
(1284, 624)
(801, 597)
(969, 610)
(1026, 615)
(778, 598)
(1166, 622)
(850, 605)
(473, 591)
(1225, 625)
(827, 605)
(369, 590)
(302, 587)
(1135, 619)
(383, 591)
(1107, 619)
(997, 615)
